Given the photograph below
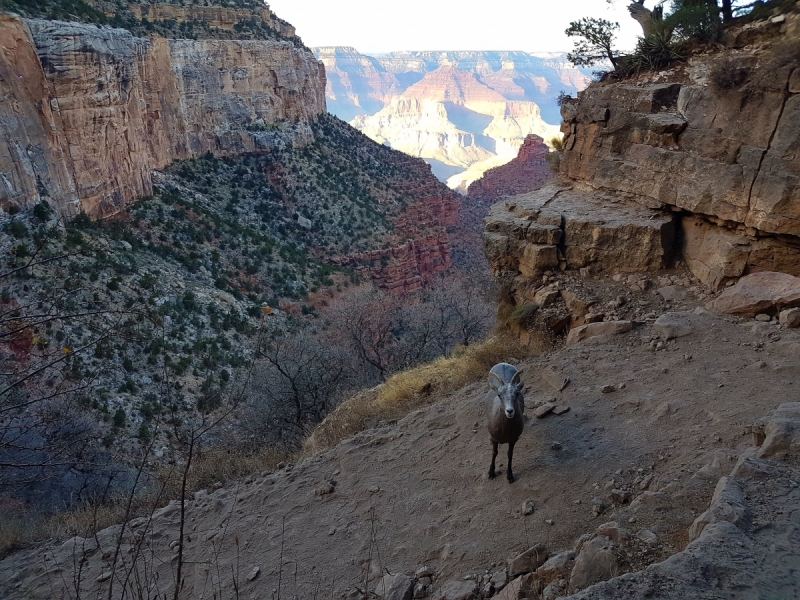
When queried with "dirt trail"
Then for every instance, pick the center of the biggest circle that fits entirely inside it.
(415, 492)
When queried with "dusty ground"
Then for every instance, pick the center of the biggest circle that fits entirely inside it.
(415, 492)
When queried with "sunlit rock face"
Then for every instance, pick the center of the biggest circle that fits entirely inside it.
(463, 112)
(90, 112)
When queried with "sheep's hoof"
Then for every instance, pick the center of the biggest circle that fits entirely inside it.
(491, 474)
(510, 478)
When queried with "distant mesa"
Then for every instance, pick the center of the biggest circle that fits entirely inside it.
(463, 112)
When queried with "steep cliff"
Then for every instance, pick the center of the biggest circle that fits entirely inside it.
(710, 145)
(93, 111)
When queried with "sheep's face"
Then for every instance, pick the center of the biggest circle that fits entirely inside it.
(509, 394)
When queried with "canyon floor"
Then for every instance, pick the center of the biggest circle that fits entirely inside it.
(656, 422)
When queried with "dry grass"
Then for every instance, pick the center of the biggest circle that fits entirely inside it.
(413, 388)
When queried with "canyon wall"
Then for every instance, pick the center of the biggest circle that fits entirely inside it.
(217, 17)
(88, 112)
(711, 145)
(463, 112)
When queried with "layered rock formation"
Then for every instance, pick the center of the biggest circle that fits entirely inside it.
(719, 155)
(92, 111)
(563, 227)
(222, 18)
(356, 84)
(453, 119)
(528, 171)
(464, 112)
(421, 243)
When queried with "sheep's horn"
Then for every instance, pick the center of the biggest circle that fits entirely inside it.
(496, 376)
(516, 377)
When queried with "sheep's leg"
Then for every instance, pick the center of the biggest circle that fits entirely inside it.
(494, 456)
(509, 474)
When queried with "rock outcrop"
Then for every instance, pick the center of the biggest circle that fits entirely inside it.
(528, 171)
(569, 228)
(683, 163)
(218, 18)
(93, 111)
(724, 156)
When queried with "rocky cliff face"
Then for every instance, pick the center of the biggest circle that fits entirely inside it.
(711, 144)
(528, 171)
(220, 18)
(463, 112)
(92, 111)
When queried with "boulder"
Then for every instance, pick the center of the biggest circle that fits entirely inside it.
(674, 325)
(727, 504)
(782, 430)
(764, 292)
(457, 589)
(672, 292)
(595, 562)
(613, 531)
(528, 561)
(513, 590)
(395, 587)
(584, 332)
(790, 318)
(557, 566)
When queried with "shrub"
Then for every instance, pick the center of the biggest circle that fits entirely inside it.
(127, 386)
(653, 52)
(563, 98)
(524, 314)
(144, 432)
(17, 228)
(119, 418)
(42, 211)
(697, 20)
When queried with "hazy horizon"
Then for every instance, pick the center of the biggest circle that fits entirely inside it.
(532, 26)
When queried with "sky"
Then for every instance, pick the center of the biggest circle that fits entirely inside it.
(376, 26)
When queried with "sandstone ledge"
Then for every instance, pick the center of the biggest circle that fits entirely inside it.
(567, 228)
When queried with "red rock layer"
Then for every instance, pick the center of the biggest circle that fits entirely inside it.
(422, 232)
(525, 173)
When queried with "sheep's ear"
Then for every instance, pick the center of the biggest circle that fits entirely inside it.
(516, 377)
(494, 380)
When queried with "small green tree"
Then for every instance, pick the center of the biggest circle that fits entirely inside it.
(595, 43)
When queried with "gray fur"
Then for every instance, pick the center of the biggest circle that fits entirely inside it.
(505, 411)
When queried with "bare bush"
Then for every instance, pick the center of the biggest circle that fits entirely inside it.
(295, 384)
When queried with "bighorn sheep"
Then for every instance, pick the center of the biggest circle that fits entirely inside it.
(506, 407)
